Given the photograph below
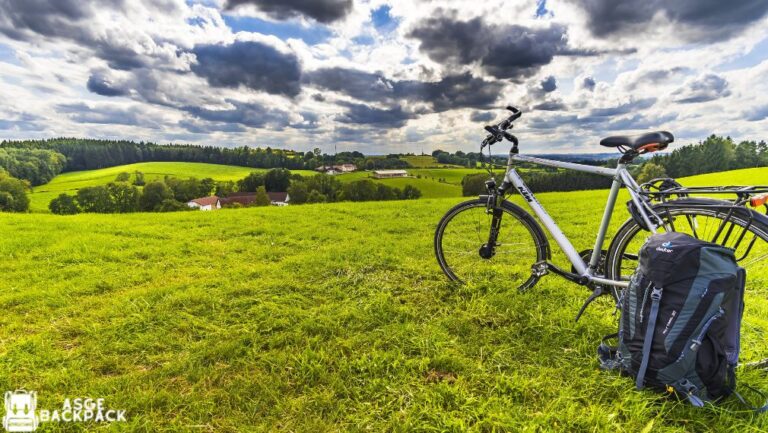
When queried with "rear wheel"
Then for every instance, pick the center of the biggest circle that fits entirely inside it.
(745, 231)
(462, 250)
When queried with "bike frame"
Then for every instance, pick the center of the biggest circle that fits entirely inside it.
(620, 176)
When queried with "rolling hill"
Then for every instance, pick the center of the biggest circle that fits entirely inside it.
(339, 320)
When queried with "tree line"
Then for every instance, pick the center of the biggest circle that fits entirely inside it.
(169, 194)
(90, 154)
(327, 189)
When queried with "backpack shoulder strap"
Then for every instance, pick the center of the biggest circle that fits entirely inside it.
(648, 341)
(755, 409)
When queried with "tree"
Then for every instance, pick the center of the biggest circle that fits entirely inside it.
(360, 190)
(409, 192)
(171, 205)
(154, 194)
(225, 188)
(261, 199)
(64, 205)
(277, 180)
(139, 179)
(315, 196)
(15, 198)
(95, 199)
(123, 177)
(650, 171)
(298, 192)
(125, 197)
(251, 182)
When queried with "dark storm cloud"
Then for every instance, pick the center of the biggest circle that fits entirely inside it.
(551, 106)
(21, 19)
(75, 21)
(549, 84)
(361, 85)
(249, 114)
(100, 85)
(504, 51)
(361, 114)
(106, 115)
(251, 64)
(588, 83)
(482, 116)
(453, 91)
(325, 11)
(709, 19)
(703, 89)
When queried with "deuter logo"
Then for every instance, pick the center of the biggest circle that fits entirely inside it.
(20, 415)
(666, 247)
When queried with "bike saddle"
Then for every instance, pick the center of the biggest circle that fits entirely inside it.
(650, 142)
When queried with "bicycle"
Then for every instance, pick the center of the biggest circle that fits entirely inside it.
(472, 246)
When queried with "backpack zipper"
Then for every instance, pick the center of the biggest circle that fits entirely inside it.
(696, 342)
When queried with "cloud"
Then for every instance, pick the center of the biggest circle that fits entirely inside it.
(551, 106)
(702, 89)
(362, 114)
(588, 83)
(504, 51)
(101, 85)
(482, 116)
(756, 115)
(453, 91)
(549, 84)
(107, 115)
(250, 114)
(251, 64)
(197, 127)
(695, 20)
(324, 11)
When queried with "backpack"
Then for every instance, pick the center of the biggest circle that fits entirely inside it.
(680, 319)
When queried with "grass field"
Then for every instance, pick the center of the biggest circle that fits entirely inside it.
(425, 161)
(331, 317)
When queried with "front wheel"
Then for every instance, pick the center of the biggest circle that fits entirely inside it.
(465, 255)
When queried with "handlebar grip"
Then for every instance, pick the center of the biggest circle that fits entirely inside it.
(516, 113)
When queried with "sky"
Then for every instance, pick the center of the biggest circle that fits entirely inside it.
(382, 76)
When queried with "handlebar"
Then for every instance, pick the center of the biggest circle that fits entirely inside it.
(499, 132)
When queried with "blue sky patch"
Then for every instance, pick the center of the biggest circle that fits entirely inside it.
(285, 30)
(382, 20)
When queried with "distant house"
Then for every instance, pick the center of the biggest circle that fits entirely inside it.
(385, 174)
(247, 198)
(205, 203)
(334, 169)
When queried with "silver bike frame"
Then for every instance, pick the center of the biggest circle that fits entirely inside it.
(620, 176)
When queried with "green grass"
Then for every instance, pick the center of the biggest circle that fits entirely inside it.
(313, 318)
(70, 182)
(425, 161)
(746, 176)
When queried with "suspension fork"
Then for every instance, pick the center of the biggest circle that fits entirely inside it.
(493, 207)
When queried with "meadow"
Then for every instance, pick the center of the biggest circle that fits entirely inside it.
(328, 317)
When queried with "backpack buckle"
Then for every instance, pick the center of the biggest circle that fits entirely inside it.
(656, 294)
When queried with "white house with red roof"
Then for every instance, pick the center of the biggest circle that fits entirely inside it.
(205, 203)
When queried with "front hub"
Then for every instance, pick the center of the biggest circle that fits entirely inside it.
(487, 251)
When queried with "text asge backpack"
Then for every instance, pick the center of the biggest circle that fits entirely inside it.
(680, 319)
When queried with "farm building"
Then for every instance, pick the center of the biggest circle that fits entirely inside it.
(384, 174)
(333, 169)
(205, 203)
(247, 198)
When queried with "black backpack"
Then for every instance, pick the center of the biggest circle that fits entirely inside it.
(680, 319)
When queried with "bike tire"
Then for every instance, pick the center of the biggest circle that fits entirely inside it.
(511, 210)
